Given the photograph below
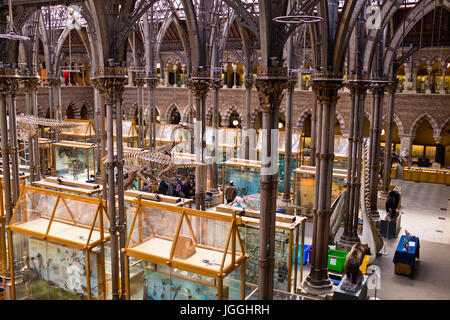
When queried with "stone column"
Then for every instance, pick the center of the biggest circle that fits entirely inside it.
(378, 87)
(391, 89)
(248, 100)
(439, 149)
(314, 130)
(8, 85)
(270, 83)
(234, 75)
(166, 77)
(358, 87)
(429, 83)
(442, 89)
(111, 82)
(325, 85)
(183, 79)
(200, 86)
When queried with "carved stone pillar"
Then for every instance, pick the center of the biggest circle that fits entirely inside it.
(442, 88)
(358, 87)
(8, 86)
(270, 83)
(111, 81)
(200, 87)
(391, 89)
(375, 156)
(166, 77)
(248, 100)
(325, 86)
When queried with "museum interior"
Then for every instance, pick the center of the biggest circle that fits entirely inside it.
(224, 149)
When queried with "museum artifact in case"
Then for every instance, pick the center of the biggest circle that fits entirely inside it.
(304, 187)
(84, 132)
(57, 246)
(289, 234)
(74, 160)
(179, 253)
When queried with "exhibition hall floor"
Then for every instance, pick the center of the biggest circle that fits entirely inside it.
(425, 214)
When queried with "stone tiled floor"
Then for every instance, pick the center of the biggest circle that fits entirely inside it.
(421, 216)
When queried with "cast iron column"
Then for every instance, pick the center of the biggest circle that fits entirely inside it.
(288, 140)
(325, 85)
(151, 84)
(248, 99)
(216, 84)
(270, 83)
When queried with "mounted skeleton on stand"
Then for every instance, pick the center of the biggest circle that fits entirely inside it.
(155, 166)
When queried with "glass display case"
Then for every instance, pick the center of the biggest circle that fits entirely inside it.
(304, 187)
(177, 253)
(70, 186)
(163, 135)
(45, 148)
(74, 160)
(57, 250)
(289, 234)
(244, 173)
(130, 135)
(83, 133)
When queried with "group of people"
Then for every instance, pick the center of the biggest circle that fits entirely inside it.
(182, 188)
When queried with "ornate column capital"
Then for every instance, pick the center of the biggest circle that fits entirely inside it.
(248, 82)
(326, 84)
(9, 83)
(392, 86)
(200, 88)
(270, 83)
(111, 81)
(378, 85)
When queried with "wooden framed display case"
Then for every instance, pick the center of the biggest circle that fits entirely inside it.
(69, 186)
(83, 133)
(130, 135)
(174, 201)
(304, 187)
(58, 246)
(45, 148)
(179, 253)
(426, 175)
(289, 234)
(74, 160)
(244, 173)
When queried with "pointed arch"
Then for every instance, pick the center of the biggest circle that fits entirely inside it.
(173, 107)
(226, 117)
(301, 119)
(398, 123)
(430, 119)
(253, 116)
(441, 130)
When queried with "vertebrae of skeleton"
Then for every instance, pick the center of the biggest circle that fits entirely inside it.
(29, 125)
